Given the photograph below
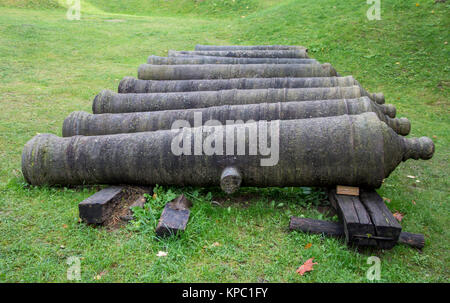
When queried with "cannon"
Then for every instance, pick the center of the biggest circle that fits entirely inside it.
(354, 150)
(290, 53)
(224, 60)
(82, 123)
(133, 85)
(200, 47)
(109, 102)
(227, 71)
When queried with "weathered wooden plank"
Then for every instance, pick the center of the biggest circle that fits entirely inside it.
(335, 229)
(98, 207)
(358, 227)
(385, 224)
(174, 217)
(414, 240)
(347, 190)
(313, 226)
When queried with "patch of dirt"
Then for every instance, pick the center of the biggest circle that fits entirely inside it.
(121, 209)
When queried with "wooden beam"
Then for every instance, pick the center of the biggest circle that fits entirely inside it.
(347, 190)
(98, 207)
(358, 227)
(174, 217)
(386, 226)
(335, 229)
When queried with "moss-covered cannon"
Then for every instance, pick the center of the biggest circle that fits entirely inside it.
(82, 123)
(227, 71)
(200, 47)
(287, 53)
(224, 60)
(109, 102)
(357, 150)
(133, 85)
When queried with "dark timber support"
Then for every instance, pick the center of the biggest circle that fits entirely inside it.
(174, 217)
(335, 229)
(111, 201)
(358, 227)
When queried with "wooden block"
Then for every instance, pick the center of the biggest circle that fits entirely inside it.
(174, 217)
(313, 226)
(358, 227)
(334, 229)
(414, 240)
(386, 226)
(347, 190)
(98, 207)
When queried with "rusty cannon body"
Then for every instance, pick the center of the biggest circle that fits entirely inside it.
(133, 85)
(109, 102)
(224, 60)
(287, 53)
(357, 150)
(82, 123)
(227, 71)
(201, 47)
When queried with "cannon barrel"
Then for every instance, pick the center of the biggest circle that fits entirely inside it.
(82, 123)
(200, 47)
(224, 60)
(357, 150)
(109, 102)
(227, 71)
(289, 53)
(133, 85)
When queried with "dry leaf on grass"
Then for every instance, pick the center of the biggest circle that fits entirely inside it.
(307, 246)
(307, 266)
(398, 216)
(387, 200)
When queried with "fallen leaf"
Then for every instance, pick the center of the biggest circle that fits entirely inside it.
(413, 202)
(417, 4)
(161, 254)
(64, 225)
(434, 136)
(216, 244)
(97, 277)
(307, 266)
(154, 196)
(411, 177)
(398, 216)
(387, 200)
(397, 62)
(418, 181)
(307, 246)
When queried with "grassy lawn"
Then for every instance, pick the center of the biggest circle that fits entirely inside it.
(51, 66)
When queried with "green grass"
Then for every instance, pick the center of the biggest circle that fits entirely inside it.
(51, 66)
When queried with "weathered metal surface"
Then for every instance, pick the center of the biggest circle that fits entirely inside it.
(224, 60)
(132, 85)
(290, 53)
(200, 47)
(82, 123)
(227, 71)
(357, 150)
(108, 102)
